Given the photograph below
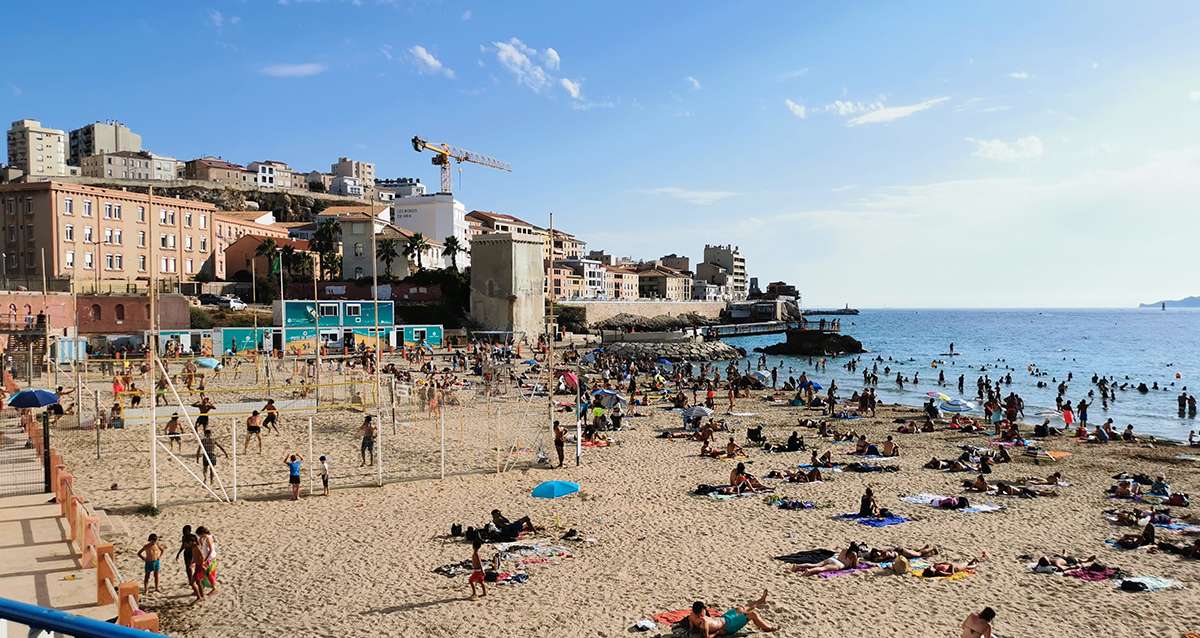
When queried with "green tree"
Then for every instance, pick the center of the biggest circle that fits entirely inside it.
(387, 253)
(416, 245)
(287, 261)
(325, 243)
(451, 250)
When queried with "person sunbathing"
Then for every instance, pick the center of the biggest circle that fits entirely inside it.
(889, 448)
(845, 559)
(908, 428)
(882, 555)
(1008, 489)
(1186, 551)
(825, 460)
(1061, 563)
(745, 482)
(1125, 489)
(927, 426)
(936, 464)
(980, 485)
(731, 622)
(947, 569)
(1134, 541)
(733, 450)
(798, 476)
(1054, 479)
(707, 451)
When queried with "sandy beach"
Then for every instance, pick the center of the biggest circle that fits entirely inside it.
(359, 562)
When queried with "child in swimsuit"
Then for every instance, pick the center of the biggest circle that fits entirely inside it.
(151, 553)
(476, 569)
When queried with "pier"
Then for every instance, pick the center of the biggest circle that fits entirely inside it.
(770, 327)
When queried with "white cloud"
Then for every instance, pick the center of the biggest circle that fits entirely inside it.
(799, 110)
(235, 19)
(698, 198)
(693, 82)
(427, 63)
(552, 59)
(995, 109)
(216, 19)
(1194, 96)
(892, 113)
(16, 90)
(1019, 75)
(1027, 147)
(792, 75)
(514, 56)
(571, 87)
(847, 107)
(386, 51)
(466, 15)
(303, 70)
(843, 189)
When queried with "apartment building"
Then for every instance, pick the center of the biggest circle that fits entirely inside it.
(346, 185)
(272, 174)
(591, 272)
(230, 226)
(491, 222)
(659, 282)
(731, 259)
(101, 138)
(564, 245)
(359, 248)
(140, 165)
(215, 169)
(620, 283)
(91, 233)
(243, 259)
(317, 181)
(37, 150)
(362, 172)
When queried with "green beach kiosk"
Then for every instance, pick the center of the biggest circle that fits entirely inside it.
(345, 325)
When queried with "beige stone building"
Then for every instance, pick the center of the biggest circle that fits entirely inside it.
(620, 283)
(230, 226)
(101, 138)
(140, 165)
(507, 273)
(91, 233)
(363, 172)
(214, 169)
(37, 150)
(659, 282)
(731, 260)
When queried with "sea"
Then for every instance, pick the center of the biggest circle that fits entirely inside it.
(1131, 345)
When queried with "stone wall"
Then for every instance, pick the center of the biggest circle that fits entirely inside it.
(600, 310)
(687, 351)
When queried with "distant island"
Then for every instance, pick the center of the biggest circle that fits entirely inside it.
(1186, 302)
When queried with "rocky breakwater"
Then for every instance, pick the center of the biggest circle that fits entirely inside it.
(815, 343)
(677, 351)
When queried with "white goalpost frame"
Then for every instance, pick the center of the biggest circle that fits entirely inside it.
(195, 433)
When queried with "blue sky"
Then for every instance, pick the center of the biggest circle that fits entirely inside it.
(883, 154)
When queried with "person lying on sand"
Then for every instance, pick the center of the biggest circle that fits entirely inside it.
(1008, 489)
(1062, 563)
(948, 465)
(825, 460)
(1125, 489)
(883, 555)
(1134, 541)
(1186, 551)
(729, 623)
(799, 476)
(980, 485)
(706, 450)
(845, 559)
(1054, 479)
(745, 482)
(510, 530)
(943, 570)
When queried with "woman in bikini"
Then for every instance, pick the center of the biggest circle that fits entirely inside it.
(742, 481)
(845, 559)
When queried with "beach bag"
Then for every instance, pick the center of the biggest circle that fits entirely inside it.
(1178, 499)
(456, 529)
(1133, 586)
(900, 566)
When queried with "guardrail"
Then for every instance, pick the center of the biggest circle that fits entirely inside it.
(60, 622)
(83, 529)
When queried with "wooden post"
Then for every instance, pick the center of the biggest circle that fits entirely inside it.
(125, 591)
(103, 573)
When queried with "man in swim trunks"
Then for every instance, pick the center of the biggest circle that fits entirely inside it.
(151, 553)
(174, 432)
(272, 412)
(367, 431)
(729, 623)
(253, 429)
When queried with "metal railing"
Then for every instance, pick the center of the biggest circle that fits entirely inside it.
(60, 622)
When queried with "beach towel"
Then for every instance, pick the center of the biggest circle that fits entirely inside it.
(595, 444)
(792, 504)
(860, 567)
(742, 413)
(920, 573)
(982, 508)
(922, 499)
(726, 497)
(807, 556)
(872, 522)
(1152, 583)
(867, 467)
(1092, 575)
(676, 615)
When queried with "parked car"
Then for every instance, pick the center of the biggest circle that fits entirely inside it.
(232, 302)
(209, 299)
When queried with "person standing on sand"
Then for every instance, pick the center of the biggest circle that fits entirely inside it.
(208, 460)
(477, 575)
(206, 568)
(151, 554)
(367, 431)
(186, 541)
(979, 625)
(324, 474)
(293, 463)
(253, 429)
(560, 439)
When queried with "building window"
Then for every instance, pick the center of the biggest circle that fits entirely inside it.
(162, 264)
(203, 221)
(141, 213)
(187, 219)
(141, 263)
(87, 260)
(87, 234)
(119, 313)
(69, 232)
(108, 262)
(120, 262)
(69, 259)
(187, 242)
(358, 249)
(174, 266)
(353, 310)
(203, 244)
(117, 211)
(68, 206)
(358, 272)
(117, 237)
(96, 312)
(108, 235)
(108, 211)
(141, 239)
(188, 266)
(87, 208)
(329, 310)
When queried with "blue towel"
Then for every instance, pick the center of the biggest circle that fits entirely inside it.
(872, 522)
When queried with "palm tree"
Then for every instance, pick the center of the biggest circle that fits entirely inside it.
(415, 246)
(325, 242)
(287, 259)
(267, 249)
(387, 253)
(451, 250)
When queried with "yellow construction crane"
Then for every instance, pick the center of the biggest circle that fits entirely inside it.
(443, 153)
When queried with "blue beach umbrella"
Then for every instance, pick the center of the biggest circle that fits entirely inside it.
(957, 405)
(554, 489)
(530, 362)
(32, 398)
(208, 362)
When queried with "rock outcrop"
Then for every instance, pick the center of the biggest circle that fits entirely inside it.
(690, 351)
(815, 343)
